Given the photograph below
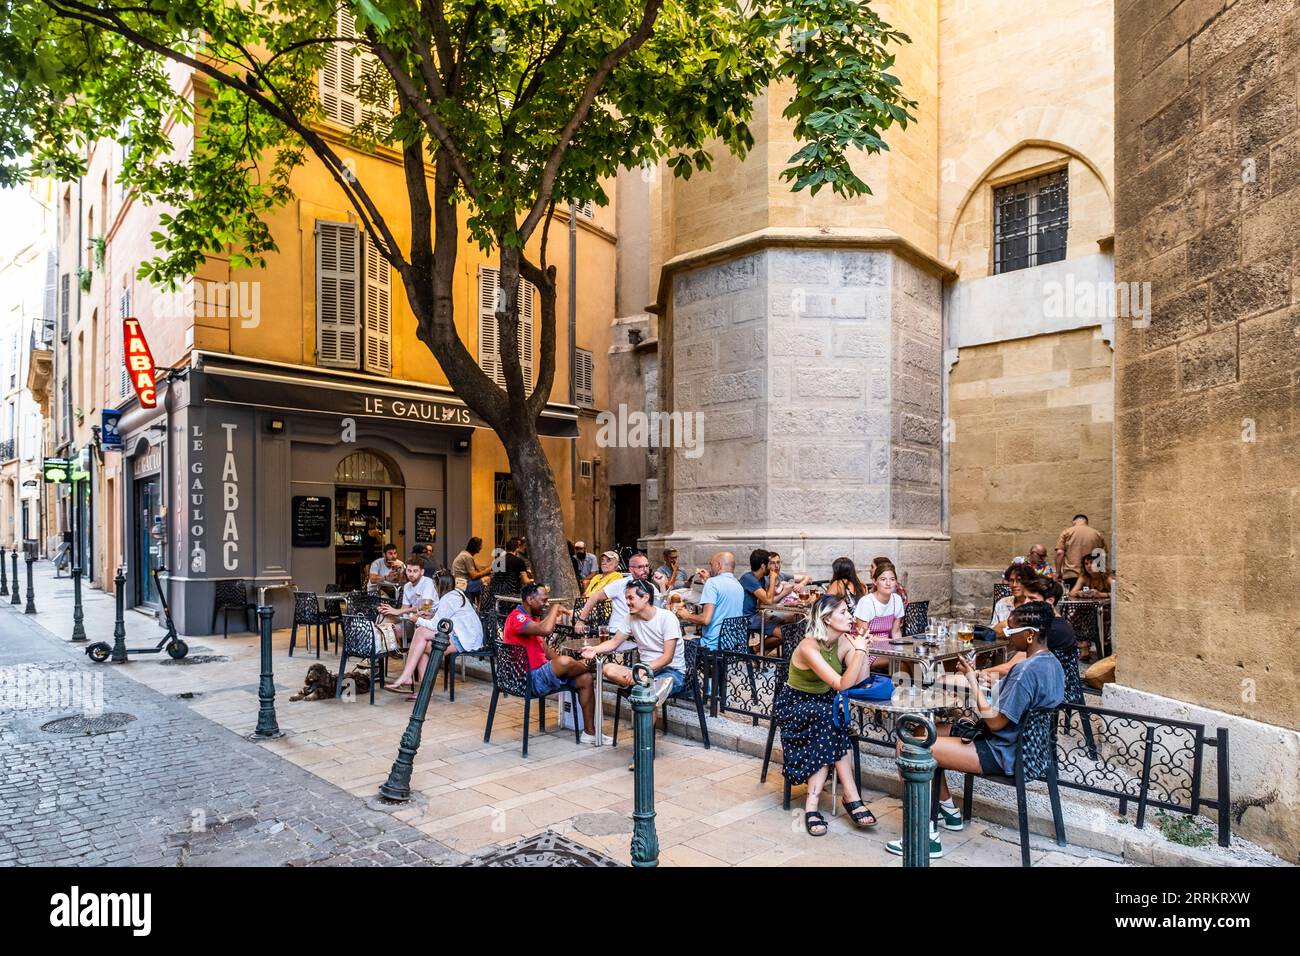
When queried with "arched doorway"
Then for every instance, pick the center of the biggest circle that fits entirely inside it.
(369, 505)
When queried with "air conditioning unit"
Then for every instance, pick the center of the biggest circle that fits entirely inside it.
(584, 469)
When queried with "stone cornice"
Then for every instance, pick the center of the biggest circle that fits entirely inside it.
(798, 237)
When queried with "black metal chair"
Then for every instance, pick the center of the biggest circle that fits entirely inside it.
(513, 678)
(1069, 659)
(505, 586)
(361, 640)
(916, 618)
(487, 616)
(307, 614)
(1083, 617)
(693, 691)
(791, 636)
(733, 638)
(1035, 760)
(233, 596)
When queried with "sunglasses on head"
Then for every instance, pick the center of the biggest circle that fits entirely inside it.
(1017, 630)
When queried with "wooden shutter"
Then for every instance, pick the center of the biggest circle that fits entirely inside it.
(340, 75)
(123, 311)
(338, 305)
(582, 376)
(489, 347)
(378, 315)
(65, 295)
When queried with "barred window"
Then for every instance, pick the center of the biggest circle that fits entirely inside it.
(1030, 221)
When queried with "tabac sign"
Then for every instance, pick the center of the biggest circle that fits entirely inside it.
(139, 363)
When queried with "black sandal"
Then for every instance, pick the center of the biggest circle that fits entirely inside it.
(812, 818)
(863, 812)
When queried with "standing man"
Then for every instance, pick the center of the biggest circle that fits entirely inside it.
(466, 571)
(549, 671)
(1075, 541)
(385, 569)
(722, 598)
(584, 564)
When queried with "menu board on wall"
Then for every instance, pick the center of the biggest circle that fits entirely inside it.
(426, 525)
(311, 521)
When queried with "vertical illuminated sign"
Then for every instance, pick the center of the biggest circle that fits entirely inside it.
(139, 363)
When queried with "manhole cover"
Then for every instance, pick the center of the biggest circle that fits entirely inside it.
(544, 849)
(88, 726)
(198, 659)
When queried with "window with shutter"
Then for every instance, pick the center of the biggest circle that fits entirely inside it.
(582, 375)
(378, 314)
(338, 298)
(348, 70)
(123, 311)
(586, 209)
(65, 294)
(489, 349)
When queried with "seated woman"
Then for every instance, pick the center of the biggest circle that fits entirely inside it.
(1092, 582)
(1016, 576)
(1059, 638)
(845, 582)
(466, 632)
(881, 612)
(898, 586)
(829, 659)
(607, 574)
(1037, 681)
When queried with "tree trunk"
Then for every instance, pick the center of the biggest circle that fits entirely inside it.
(539, 501)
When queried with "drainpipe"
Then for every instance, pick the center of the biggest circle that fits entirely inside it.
(573, 358)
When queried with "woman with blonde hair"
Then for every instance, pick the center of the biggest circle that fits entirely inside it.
(829, 659)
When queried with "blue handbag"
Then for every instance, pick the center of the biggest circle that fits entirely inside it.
(877, 687)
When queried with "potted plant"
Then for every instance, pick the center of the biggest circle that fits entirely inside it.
(83, 279)
(98, 245)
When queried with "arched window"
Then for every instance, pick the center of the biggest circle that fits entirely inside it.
(366, 468)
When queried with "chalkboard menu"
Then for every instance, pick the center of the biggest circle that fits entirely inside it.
(426, 525)
(311, 521)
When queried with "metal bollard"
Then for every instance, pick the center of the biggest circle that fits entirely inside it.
(119, 623)
(18, 591)
(397, 788)
(916, 767)
(4, 574)
(645, 841)
(31, 594)
(267, 727)
(78, 617)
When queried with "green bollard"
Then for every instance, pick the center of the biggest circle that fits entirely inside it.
(645, 841)
(18, 590)
(916, 767)
(119, 622)
(31, 593)
(397, 788)
(267, 726)
(78, 616)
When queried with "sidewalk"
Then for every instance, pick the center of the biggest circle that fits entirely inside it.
(711, 809)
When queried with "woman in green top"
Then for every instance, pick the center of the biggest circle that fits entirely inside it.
(831, 658)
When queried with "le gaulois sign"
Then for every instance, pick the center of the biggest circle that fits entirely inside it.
(139, 363)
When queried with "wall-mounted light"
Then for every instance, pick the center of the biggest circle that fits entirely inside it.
(462, 444)
(275, 425)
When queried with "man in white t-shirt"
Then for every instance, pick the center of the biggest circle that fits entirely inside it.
(616, 593)
(417, 590)
(658, 638)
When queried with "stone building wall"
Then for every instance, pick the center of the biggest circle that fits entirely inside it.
(1031, 429)
(1207, 207)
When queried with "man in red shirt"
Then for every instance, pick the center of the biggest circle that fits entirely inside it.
(548, 671)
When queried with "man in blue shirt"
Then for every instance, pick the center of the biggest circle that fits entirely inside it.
(722, 598)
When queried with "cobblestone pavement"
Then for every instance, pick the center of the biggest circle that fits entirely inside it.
(170, 788)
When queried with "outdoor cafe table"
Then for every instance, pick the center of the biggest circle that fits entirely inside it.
(574, 649)
(273, 586)
(930, 658)
(781, 614)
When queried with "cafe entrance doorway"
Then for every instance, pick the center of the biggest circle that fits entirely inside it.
(369, 504)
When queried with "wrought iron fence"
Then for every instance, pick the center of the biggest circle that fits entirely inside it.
(8, 449)
(747, 683)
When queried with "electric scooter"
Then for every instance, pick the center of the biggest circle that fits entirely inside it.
(100, 651)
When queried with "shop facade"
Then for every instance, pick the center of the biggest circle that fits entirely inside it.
(267, 473)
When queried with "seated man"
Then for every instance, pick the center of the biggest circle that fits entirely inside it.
(758, 594)
(418, 597)
(780, 583)
(549, 671)
(616, 593)
(384, 570)
(674, 576)
(658, 639)
(1035, 682)
(722, 598)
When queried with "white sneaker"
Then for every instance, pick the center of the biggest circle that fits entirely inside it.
(663, 690)
(605, 739)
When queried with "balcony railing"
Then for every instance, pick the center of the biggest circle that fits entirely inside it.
(8, 449)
